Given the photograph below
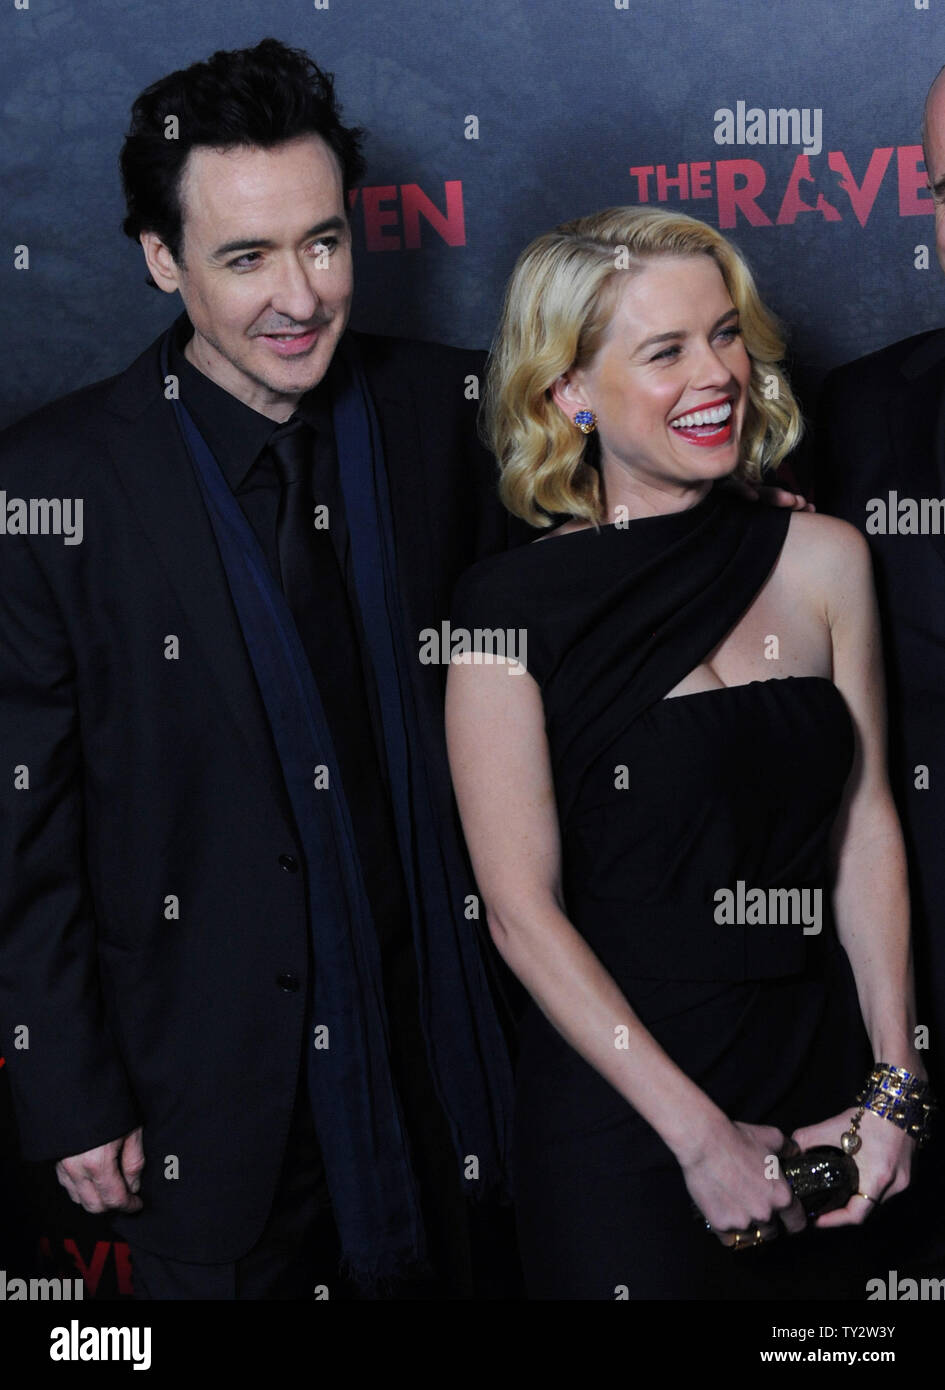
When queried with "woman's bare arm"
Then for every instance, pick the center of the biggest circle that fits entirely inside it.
(871, 888)
(871, 894)
(502, 774)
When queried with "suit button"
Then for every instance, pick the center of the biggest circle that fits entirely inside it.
(289, 863)
(287, 980)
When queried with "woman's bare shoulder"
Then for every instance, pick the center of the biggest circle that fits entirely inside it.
(826, 557)
(824, 540)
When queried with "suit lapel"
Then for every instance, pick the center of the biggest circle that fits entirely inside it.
(156, 474)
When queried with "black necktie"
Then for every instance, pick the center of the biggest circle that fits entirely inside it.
(314, 587)
(290, 447)
(313, 584)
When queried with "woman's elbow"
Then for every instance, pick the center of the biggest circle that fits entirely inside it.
(513, 923)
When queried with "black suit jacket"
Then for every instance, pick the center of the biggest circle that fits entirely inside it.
(153, 781)
(881, 429)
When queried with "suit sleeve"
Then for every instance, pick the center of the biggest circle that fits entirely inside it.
(69, 1087)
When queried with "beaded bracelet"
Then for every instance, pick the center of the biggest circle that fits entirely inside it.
(893, 1094)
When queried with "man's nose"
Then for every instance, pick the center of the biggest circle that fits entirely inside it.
(295, 293)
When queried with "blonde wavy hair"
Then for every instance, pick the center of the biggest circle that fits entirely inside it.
(558, 306)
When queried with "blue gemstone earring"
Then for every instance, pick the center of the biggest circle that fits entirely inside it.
(586, 421)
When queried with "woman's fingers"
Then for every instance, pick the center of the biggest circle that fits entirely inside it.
(755, 1234)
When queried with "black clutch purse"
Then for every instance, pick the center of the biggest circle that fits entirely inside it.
(823, 1178)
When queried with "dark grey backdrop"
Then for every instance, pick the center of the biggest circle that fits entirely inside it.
(570, 94)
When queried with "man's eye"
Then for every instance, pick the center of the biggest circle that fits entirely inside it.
(243, 262)
(325, 243)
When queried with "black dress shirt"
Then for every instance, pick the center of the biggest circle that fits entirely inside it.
(238, 437)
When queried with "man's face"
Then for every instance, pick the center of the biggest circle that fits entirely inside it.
(265, 270)
(935, 160)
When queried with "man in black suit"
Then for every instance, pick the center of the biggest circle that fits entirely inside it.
(880, 446)
(242, 992)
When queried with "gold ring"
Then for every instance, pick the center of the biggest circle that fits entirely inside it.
(742, 1240)
(866, 1196)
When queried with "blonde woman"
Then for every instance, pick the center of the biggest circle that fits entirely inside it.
(671, 709)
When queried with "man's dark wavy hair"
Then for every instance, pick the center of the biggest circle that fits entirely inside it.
(258, 96)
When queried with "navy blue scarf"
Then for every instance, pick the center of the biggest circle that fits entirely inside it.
(357, 1113)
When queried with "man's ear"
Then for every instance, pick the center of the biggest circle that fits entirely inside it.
(164, 269)
(568, 394)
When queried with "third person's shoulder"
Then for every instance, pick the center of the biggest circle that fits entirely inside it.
(873, 374)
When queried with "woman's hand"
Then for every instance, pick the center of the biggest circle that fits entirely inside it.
(729, 1183)
(884, 1162)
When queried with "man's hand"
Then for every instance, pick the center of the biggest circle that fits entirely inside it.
(106, 1178)
(771, 496)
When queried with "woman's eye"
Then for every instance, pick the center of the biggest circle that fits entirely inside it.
(729, 334)
(666, 353)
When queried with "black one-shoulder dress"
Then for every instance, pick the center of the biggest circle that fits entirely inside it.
(672, 811)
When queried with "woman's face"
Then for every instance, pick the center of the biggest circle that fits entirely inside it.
(669, 383)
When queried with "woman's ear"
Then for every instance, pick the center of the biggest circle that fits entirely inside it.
(568, 394)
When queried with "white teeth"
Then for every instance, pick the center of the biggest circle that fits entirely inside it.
(715, 416)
